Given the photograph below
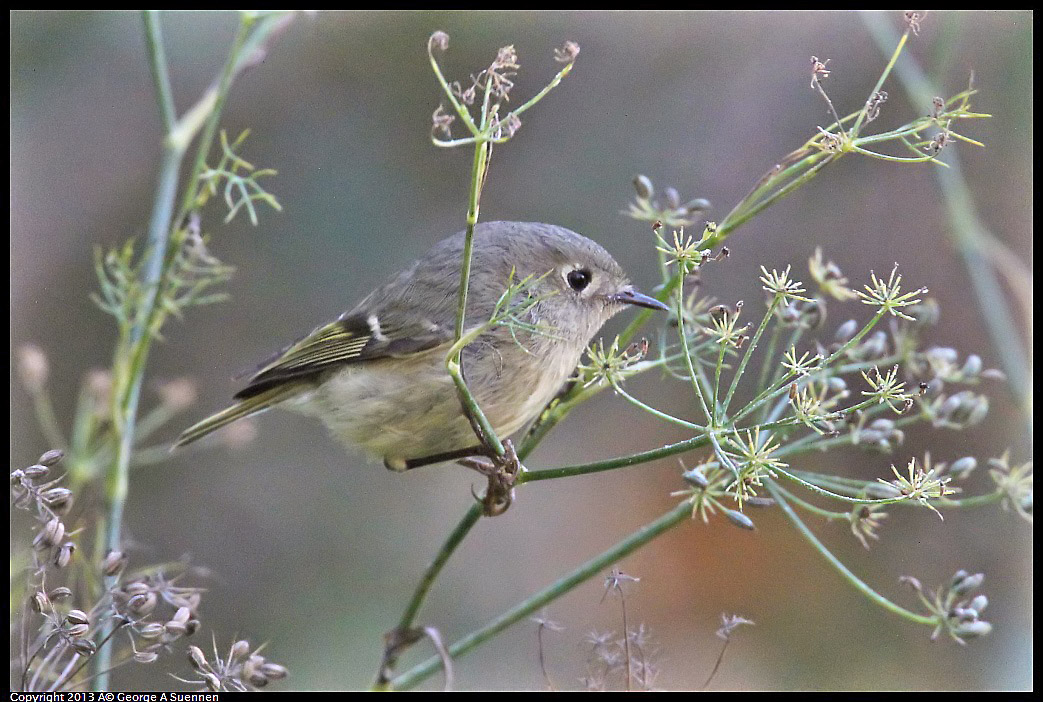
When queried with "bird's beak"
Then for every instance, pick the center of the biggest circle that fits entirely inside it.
(629, 296)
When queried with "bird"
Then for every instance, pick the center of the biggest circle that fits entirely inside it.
(377, 377)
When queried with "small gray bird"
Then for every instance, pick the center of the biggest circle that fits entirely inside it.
(377, 377)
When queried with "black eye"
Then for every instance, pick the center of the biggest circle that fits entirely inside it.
(578, 279)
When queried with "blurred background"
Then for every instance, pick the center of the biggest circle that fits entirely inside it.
(316, 551)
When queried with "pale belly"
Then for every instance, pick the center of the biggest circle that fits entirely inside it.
(401, 409)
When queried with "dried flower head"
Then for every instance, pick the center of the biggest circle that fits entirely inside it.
(818, 70)
(567, 53)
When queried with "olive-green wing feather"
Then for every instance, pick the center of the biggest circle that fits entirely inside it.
(336, 342)
(349, 339)
(352, 338)
(398, 319)
(244, 408)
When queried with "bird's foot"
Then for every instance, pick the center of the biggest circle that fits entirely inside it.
(502, 473)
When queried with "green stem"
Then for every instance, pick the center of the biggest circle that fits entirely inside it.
(157, 64)
(879, 84)
(814, 509)
(481, 153)
(687, 354)
(695, 442)
(424, 586)
(653, 411)
(969, 236)
(133, 349)
(717, 386)
(634, 541)
(840, 567)
(749, 352)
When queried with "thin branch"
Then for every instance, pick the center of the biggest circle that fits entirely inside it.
(591, 568)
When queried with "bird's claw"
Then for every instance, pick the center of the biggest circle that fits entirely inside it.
(502, 473)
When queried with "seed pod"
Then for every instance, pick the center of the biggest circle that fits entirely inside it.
(59, 594)
(59, 499)
(968, 584)
(869, 436)
(49, 535)
(884, 426)
(240, 649)
(142, 604)
(77, 616)
(945, 354)
(673, 198)
(719, 312)
(37, 471)
(64, 554)
(979, 603)
(17, 476)
(963, 467)
(52, 457)
(114, 562)
(252, 671)
(972, 366)
(151, 631)
(85, 647)
(695, 477)
(175, 628)
(191, 627)
(739, 519)
(198, 659)
(146, 656)
(213, 683)
(978, 410)
(274, 671)
(181, 615)
(78, 630)
(911, 582)
(136, 588)
(643, 186)
(32, 367)
(874, 346)
(846, 330)
(972, 630)
(699, 204)
(39, 602)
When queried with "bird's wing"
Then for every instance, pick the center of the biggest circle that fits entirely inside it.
(351, 338)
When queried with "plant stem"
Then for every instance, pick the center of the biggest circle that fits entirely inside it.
(710, 417)
(879, 84)
(424, 586)
(749, 352)
(613, 463)
(132, 352)
(970, 238)
(840, 567)
(639, 538)
(133, 349)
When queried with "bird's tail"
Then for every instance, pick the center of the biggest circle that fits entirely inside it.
(244, 408)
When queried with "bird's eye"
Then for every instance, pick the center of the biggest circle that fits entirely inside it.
(578, 279)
